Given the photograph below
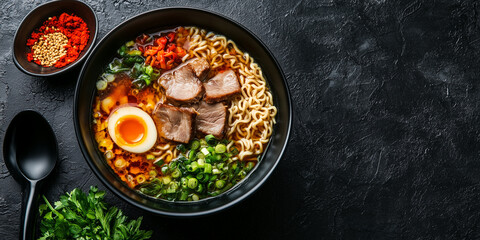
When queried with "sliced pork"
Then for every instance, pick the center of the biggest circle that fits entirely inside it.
(199, 66)
(221, 87)
(182, 85)
(174, 123)
(211, 118)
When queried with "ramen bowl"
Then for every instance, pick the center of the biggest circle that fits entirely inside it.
(169, 18)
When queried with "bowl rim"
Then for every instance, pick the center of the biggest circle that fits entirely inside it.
(124, 197)
(67, 67)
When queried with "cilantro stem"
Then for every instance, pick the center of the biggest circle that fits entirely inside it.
(60, 216)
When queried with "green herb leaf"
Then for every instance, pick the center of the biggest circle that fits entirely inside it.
(81, 216)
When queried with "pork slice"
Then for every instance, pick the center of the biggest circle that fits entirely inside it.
(221, 87)
(174, 123)
(181, 85)
(211, 119)
(199, 66)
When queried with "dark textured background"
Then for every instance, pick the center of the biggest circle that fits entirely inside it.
(385, 141)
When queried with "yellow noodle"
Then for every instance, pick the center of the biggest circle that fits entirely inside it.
(252, 113)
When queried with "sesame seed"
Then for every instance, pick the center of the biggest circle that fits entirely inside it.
(49, 50)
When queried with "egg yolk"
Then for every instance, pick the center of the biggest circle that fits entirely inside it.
(131, 129)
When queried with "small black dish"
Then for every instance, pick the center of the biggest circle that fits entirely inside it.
(163, 19)
(35, 19)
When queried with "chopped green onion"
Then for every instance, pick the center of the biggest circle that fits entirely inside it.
(176, 173)
(207, 168)
(184, 182)
(249, 166)
(210, 139)
(200, 155)
(172, 165)
(220, 148)
(223, 176)
(181, 148)
(213, 178)
(210, 150)
(192, 183)
(242, 174)
(130, 43)
(121, 50)
(199, 188)
(210, 186)
(109, 77)
(152, 173)
(134, 53)
(164, 170)
(219, 184)
(159, 162)
(166, 180)
(195, 197)
(193, 167)
(191, 155)
(101, 85)
(201, 163)
(195, 145)
(203, 168)
(184, 196)
(172, 187)
(148, 70)
(205, 151)
(206, 177)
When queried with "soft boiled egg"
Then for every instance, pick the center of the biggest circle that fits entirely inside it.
(132, 129)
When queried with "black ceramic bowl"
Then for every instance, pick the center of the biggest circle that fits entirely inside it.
(35, 19)
(167, 19)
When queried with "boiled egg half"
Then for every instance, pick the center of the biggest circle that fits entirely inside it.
(132, 129)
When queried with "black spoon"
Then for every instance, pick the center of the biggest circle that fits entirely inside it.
(30, 153)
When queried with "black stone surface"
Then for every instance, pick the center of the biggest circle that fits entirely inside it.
(385, 143)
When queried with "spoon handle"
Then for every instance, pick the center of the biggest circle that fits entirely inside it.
(29, 212)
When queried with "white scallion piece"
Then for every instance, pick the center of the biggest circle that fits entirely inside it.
(101, 85)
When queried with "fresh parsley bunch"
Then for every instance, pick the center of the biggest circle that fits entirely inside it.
(81, 216)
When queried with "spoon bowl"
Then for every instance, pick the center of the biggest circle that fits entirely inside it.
(30, 153)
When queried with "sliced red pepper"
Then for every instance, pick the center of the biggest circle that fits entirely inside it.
(171, 46)
(162, 41)
(171, 36)
(180, 52)
(162, 62)
(150, 52)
